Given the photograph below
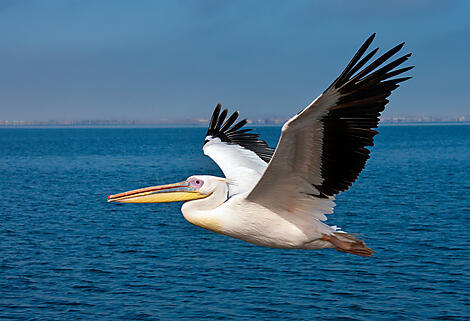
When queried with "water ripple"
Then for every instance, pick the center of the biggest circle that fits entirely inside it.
(66, 254)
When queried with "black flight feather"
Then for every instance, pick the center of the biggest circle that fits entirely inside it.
(348, 125)
(236, 135)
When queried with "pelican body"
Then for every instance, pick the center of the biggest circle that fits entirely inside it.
(279, 198)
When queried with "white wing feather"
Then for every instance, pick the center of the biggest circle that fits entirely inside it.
(287, 183)
(242, 167)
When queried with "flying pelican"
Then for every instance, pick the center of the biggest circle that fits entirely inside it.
(279, 198)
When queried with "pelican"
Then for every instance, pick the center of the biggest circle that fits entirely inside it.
(279, 198)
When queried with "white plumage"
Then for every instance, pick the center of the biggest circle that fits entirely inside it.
(241, 166)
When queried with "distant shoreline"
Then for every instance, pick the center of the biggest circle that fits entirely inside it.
(200, 125)
(203, 122)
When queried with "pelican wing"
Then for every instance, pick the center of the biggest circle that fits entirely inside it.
(322, 149)
(240, 154)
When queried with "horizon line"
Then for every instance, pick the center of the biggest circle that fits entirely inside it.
(275, 121)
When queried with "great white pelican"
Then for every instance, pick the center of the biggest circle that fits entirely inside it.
(279, 198)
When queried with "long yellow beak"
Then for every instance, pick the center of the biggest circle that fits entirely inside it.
(159, 194)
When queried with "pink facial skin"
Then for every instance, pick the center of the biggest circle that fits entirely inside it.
(195, 182)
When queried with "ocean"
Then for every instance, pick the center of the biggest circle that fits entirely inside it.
(67, 254)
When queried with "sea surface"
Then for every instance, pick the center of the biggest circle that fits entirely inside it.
(67, 254)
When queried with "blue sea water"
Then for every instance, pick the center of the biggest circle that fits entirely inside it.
(67, 254)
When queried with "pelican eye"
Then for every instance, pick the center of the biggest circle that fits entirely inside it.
(196, 182)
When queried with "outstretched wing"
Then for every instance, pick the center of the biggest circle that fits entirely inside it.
(322, 150)
(240, 154)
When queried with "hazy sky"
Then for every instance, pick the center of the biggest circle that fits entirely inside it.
(150, 60)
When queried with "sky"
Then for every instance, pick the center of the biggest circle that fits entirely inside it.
(151, 60)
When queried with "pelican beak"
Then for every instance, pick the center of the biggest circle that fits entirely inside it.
(159, 194)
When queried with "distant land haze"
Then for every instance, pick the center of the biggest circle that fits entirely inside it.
(205, 121)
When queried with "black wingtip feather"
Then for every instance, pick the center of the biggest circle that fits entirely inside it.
(238, 125)
(348, 125)
(398, 80)
(221, 119)
(361, 63)
(229, 121)
(236, 135)
(397, 72)
(355, 59)
(215, 116)
(376, 63)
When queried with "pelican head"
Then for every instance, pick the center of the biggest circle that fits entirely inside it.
(211, 191)
(201, 194)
